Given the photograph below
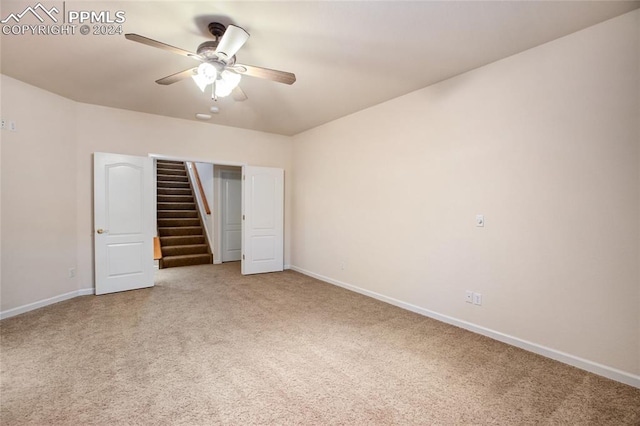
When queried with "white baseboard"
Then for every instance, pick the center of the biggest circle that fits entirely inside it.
(42, 303)
(583, 364)
(287, 267)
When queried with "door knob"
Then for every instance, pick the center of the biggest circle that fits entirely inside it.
(101, 231)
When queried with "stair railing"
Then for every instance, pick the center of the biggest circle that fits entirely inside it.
(200, 188)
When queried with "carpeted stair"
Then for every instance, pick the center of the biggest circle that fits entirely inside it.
(182, 237)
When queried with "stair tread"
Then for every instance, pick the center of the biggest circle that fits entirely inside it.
(187, 256)
(171, 176)
(172, 172)
(190, 245)
(180, 249)
(186, 260)
(178, 240)
(179, 227)
(174, 184)
(175, 196)
(183, 185)
(166, 231)
(174, 191)
(177, 237)
(177, 214)
(176, 206)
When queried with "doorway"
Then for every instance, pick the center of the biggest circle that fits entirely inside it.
(228, 211)
(217, 192)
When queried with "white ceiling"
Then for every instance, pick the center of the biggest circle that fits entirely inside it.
(347, 56)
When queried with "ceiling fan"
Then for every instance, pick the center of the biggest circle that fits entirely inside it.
(218, 66)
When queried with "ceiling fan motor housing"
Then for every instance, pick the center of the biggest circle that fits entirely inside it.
(216, 29)
(207, 49)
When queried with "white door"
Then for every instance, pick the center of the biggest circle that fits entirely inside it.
(124, 221)
(263, 220)
(231, 217)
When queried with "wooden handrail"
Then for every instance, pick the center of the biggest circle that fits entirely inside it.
(200, 189)
(157, 252)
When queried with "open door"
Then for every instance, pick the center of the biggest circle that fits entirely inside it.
(124, 222)
(263, 220)
(231, 215)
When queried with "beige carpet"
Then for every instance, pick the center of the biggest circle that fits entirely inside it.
(208, 346)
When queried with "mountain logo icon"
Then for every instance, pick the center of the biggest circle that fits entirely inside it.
(39, 11)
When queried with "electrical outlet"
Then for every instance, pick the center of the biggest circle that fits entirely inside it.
(477, 298)
(3, 123)
(469, 296)
(343, 265)
(72, 272)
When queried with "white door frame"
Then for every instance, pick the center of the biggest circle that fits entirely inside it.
(217, 208)
(217, 247)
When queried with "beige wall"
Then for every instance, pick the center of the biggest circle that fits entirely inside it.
(47, 180)
(38, 195)
(545, 144)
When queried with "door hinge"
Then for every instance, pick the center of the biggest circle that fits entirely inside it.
(242, 217)
(243, 257)
(244, 177)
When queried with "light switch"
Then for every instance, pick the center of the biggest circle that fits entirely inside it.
(479, 220)
(477, 299)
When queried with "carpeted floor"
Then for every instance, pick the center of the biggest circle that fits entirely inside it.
(209, 346)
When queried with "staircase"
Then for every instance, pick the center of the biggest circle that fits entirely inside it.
(182, 237)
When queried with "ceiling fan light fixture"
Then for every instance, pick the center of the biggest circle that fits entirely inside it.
(205, 75)
(208, 71)
(201, 81)
(226, 83)
(232, 78)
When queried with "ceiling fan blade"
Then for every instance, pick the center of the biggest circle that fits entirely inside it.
(269, 74)
(231, 41)
(238, 94)
(173, 78)
(160, 45)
